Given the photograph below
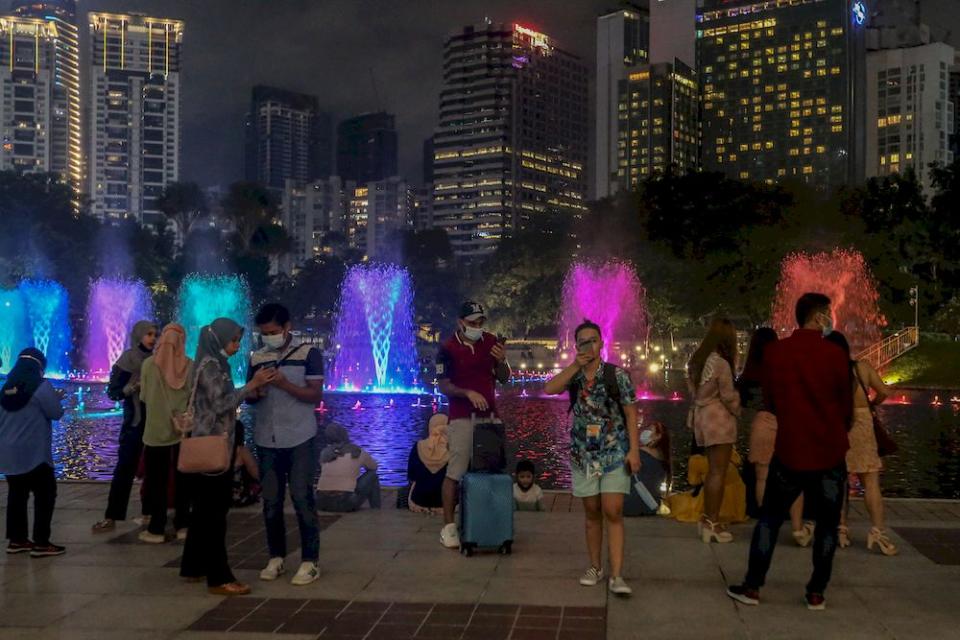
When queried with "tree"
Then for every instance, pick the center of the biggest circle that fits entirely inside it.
(183, 203)
(437, 287)
(249, 206)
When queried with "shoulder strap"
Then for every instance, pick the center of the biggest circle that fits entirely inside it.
(610, 381)
(866, 392)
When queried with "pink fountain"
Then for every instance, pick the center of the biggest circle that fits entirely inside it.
(609, 294)
(843, 275)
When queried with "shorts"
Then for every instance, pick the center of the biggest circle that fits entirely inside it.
(616, 481)
(460, 445)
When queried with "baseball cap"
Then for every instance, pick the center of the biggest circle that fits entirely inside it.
(470, 310)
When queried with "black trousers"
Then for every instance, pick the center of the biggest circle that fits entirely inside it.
(205, 552)
(823, 493)
(159, 464)
(128, 459)
(43, 484)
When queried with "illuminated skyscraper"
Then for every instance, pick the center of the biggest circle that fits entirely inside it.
(134, 114)
(623, 40)
(367, 147)
(782, 89)
(40, 90)
(288, 138)
(657, 122)
(512, 139)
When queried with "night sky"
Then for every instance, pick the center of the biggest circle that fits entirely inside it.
(328, 48)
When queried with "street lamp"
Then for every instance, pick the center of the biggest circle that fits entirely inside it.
(914, 302)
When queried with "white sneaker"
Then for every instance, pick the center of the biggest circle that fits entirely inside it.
(182, 534)
(449, 536)
(619, 587)
(151, 538)
(307, 573)
(591, 577)
(273, 570)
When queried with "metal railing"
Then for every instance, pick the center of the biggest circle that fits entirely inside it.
(891, 347)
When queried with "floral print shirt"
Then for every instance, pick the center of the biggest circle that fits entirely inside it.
(594, 411)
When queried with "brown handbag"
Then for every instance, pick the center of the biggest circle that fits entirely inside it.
(200, 454)
(886, 446)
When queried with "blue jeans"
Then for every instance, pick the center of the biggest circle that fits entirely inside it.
(296, 467)
(368, 490)
(823, 491)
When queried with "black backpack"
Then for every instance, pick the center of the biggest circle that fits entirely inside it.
(609, 377)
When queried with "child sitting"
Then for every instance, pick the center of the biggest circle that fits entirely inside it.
(527, 495)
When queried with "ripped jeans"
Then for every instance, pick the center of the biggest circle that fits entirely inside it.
(823, 493)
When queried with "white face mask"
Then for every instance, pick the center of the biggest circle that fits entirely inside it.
(273, 342)
(646, 437)
(473, 333)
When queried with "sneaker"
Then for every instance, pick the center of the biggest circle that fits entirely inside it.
(744, 594)
(46, 550)
(151, 538)
(816, 601)
(449, 536)
(182, 534)
(591, 577)
(19, 547)
(273, 570)
(143, 521)
(618, 586)
(107, 524)
(307, 573)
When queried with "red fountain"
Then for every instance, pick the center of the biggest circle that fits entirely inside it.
(843, 275)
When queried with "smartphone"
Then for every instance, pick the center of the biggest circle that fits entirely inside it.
(502, 339)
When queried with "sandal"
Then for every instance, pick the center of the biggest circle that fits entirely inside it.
(107, 524)
(230, 589)
(843, 536)
(879, 537)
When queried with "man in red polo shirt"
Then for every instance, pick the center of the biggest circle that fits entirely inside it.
(807, 384)
(469, 364)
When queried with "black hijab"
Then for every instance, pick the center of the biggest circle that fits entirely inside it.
(24, 379)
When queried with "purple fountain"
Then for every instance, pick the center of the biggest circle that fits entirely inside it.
(115, 304)
(609, 294)
(375, 338)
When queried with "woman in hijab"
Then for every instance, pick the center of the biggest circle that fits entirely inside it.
(427, 467)
(342, 487)
(164, 391)
(28, 405)
(214, 413)
(124, 386)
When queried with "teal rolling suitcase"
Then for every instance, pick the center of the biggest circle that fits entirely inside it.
(486, 512)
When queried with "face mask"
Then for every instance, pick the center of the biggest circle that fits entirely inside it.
(646, 437)
(273, 342)
(224, 353)
(472, 333)
(828, 327)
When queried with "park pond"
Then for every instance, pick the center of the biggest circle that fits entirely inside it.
(925, 424)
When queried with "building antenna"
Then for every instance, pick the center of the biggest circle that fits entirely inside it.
(376, 93)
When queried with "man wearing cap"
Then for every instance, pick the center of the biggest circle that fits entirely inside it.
(469, 364)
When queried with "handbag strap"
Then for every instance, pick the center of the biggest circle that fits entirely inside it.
(856, 374)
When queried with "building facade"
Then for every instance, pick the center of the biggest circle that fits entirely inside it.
(377, 211)
(288, 137)
(311, 213)
(623, 40)
(40, 118)
(658, 117)
(781, 85)
(910, 110)
(367, 148)
(134, 95)
(512, 138)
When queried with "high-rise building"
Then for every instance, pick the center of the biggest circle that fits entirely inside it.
(657, 122)
(909, 109)
(288, 138)
(367, 148)
(623, 40)
(428, 160)
(955, 99)
(40, 119)
(512, 137)
(310, 212)
(673, 31)
(134, 114)
(782, 89)
(377, 210)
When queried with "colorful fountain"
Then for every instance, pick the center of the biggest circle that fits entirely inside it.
(204, 298)
(842, 275)
(115, 304)
(609, 294)
(375, 335)
(46, 311)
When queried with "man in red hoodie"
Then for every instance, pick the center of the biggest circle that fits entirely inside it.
(808, 386)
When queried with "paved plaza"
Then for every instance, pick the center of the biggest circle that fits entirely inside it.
(386, 576)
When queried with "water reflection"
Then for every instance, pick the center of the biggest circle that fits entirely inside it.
(927, 466)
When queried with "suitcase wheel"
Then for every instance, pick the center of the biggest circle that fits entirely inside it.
(466, 549)
(506, 548)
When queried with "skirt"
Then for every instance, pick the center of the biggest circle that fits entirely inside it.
(862, 457)
(763, 437)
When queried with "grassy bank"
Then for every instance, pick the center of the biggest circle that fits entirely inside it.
(934, 363)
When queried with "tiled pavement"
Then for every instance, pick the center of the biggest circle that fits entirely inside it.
(385, 576)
